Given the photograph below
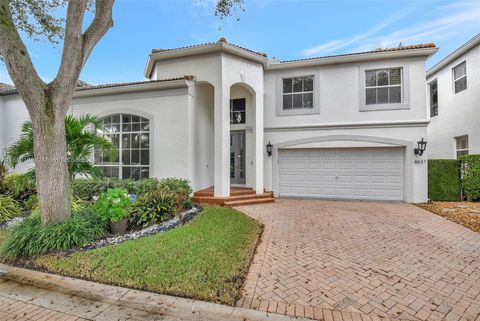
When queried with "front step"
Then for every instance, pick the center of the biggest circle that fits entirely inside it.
(238, 197)
(262, 200)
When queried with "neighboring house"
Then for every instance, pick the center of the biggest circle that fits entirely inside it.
(343, 126)
(453, 90)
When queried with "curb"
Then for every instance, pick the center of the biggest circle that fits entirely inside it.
(122, 300)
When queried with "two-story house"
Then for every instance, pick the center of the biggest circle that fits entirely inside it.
(453, 88)
(341, 127)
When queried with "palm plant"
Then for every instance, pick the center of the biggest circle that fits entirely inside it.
(81, 142)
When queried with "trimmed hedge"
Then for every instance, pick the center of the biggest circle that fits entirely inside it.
(444, 180)
(471, 176)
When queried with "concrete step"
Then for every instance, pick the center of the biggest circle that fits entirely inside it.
(254, 201)
(236, 192)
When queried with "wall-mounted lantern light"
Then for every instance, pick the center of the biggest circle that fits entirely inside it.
(269, 149)
(422, 145)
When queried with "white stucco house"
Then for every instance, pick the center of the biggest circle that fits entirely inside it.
(453, 88)
(342, 127)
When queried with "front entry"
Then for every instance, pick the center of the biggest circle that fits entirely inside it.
(237, 157)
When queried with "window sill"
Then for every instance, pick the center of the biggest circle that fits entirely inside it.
(292, 112)
(380, 107)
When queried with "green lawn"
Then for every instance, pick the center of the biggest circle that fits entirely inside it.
(206, 259)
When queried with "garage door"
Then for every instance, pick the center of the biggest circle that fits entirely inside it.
(344, 173)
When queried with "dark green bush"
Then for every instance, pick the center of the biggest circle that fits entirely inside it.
(31, 237)
(153, 207)
(87, 188)
(444, 180)
(471, 176)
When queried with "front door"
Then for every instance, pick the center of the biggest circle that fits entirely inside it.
(237, 157)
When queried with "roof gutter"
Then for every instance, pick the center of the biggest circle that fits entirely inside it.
(454, 55)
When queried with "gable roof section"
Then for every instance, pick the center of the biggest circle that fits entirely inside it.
(210, 47)
(85, 87)
(475, 41)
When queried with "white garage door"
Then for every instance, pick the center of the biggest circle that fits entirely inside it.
(344, 173)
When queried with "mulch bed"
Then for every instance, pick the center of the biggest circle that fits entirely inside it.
(464, 213)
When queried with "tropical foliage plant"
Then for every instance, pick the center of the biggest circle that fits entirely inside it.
(81, 142)
(113, 205)
(9, 208)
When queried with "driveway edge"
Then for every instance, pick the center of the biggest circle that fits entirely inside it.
(123, 299)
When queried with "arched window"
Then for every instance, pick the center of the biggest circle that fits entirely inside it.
(131, 135)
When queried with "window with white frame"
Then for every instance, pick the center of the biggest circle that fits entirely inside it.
(433, 91)
(461, 145)
(383, 86)
(298, 93)
(131, 135)
(460, 77)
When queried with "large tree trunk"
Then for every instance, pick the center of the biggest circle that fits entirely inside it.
(53, 183)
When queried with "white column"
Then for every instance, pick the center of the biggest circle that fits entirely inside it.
(222, 141)
(259, 143)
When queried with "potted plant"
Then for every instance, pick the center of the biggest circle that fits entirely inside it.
(113, 207)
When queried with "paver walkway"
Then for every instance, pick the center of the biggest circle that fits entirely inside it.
(337, 260)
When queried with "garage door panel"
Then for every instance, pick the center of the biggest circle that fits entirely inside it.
(356, 173)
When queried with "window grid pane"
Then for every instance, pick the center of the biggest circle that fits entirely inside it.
(298, 92)
(383, 86)
(133, 147)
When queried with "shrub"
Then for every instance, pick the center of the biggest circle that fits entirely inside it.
(113, 205)
(31, 203)
(3, 175)
(181, 188)
(20, 186)
(444, 180)
(87, 188)
(9, 208)
(153, 207)
(471, 176)
(31, 237)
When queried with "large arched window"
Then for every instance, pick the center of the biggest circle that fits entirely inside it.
(131, 135)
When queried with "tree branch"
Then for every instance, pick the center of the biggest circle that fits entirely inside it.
(100, 25)
(77, 47)
(72, 59)
(18, 62)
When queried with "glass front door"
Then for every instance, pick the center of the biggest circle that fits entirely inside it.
(237, 157)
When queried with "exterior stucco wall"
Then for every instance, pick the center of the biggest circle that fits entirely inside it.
(15, 114)
(458, 114)
(167, 111)
(201, 133)
(340, 93)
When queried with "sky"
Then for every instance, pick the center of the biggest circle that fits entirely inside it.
(285, 29)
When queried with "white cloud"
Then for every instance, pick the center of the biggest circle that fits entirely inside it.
(450, 21)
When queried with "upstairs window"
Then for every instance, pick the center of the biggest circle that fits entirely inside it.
(237, 111)
(460, 77)
(298, 93)
(461, 144)
(433, 91)
(131, 135)
(383, 86)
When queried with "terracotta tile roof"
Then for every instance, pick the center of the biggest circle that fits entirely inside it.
(400, 48)
(83, 86)
(4, 86)
(123, 84)
(221, 40)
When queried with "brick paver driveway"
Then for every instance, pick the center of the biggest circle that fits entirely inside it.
(337, 260)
